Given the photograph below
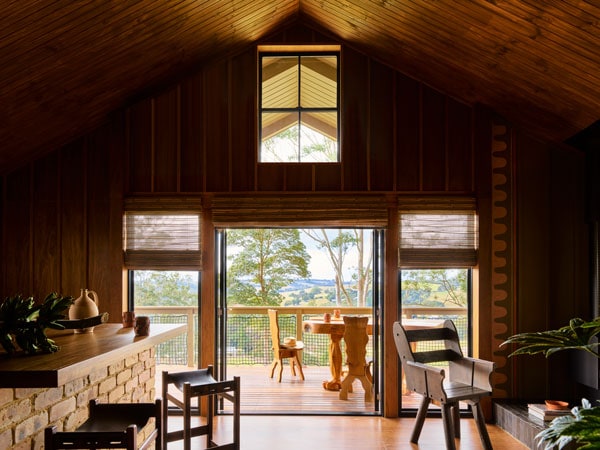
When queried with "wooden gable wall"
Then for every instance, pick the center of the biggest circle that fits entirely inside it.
(398, 135)
(62, 214)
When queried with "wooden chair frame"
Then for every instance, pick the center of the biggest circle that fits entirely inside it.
(281, 351)
(469, 379)
(197, 384)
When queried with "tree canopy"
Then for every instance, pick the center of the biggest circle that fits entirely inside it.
(268, 260)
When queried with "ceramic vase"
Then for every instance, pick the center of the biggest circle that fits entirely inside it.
(86, 305)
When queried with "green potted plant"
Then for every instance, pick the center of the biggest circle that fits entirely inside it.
(583, 426)
(23, 323)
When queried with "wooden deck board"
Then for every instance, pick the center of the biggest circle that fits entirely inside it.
(264, 395)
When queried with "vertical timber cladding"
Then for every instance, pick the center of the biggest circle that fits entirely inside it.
(502, 255)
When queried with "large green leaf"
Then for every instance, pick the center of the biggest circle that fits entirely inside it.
(575, 336)
(583, 427)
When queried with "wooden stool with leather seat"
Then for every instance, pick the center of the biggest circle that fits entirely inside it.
(197, 384)
(112, 425)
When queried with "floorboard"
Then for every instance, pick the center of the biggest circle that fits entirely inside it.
(344, 433)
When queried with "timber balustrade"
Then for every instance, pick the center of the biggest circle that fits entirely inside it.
(248, 330)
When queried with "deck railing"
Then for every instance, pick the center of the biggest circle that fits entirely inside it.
(249, 341)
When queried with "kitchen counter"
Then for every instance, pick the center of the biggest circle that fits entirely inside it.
(78, 353)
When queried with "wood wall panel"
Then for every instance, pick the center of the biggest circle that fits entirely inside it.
(433, 136)
(140, 147)
(166, 141)
(408, 126)
(381, 128)
(460, 147)
(18, 245)
(270, 177)
(299, 177)
(568, 274)
(2, 235)
(354, 117)
(104, 219)
(192, 134)
(73, 223)
(45, 226)
(216, 109)
(328, 177)
(244, 136)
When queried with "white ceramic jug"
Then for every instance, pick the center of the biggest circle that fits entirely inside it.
(86, 305)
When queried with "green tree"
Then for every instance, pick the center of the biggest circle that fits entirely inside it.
(269, 259)
(440, 286)
(164, 288)
(337, 247)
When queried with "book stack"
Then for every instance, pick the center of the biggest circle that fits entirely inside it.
(541, 411)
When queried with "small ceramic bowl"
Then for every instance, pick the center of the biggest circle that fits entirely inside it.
(556, 404)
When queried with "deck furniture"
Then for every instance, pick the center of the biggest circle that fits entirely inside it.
(356, 338)
(468, 378)
(197, 384)
(335, 329)
(282, 351)
(112, 425)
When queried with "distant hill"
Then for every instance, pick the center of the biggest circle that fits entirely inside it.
(299, 285)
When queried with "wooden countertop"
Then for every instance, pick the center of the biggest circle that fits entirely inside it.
(79, 353)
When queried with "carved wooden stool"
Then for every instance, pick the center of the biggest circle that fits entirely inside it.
(356, 338)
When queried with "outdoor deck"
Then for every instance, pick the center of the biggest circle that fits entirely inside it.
(264, 395)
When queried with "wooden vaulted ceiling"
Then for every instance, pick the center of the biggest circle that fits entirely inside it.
(65, 65)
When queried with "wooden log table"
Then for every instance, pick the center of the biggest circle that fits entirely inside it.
(335, 329)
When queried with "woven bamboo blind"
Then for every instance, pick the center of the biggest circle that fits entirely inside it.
(162, 234)
(332, 211)
(440, 233)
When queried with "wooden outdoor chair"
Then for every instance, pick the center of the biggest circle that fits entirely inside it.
(111, 425)
(281, 350)
(468, 378)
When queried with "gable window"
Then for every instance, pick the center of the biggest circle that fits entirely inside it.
(299, 104)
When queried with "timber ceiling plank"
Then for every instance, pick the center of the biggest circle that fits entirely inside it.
(64, 66)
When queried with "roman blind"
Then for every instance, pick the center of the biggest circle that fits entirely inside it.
(161, 236)
(441, 235)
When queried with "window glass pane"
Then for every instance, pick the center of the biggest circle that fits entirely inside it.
(299, 107)
(280, 82)
(282, 146)
(435, 295)
(316, 146)
(318, 75)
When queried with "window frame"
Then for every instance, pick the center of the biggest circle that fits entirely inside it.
(298, 51)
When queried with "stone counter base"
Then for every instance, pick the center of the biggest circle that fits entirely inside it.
(26, 412)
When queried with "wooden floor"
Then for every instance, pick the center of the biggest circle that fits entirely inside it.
(264, 395)
(344, 433)
(301, 415)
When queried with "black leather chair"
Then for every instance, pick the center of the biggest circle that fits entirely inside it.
(112, 425)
